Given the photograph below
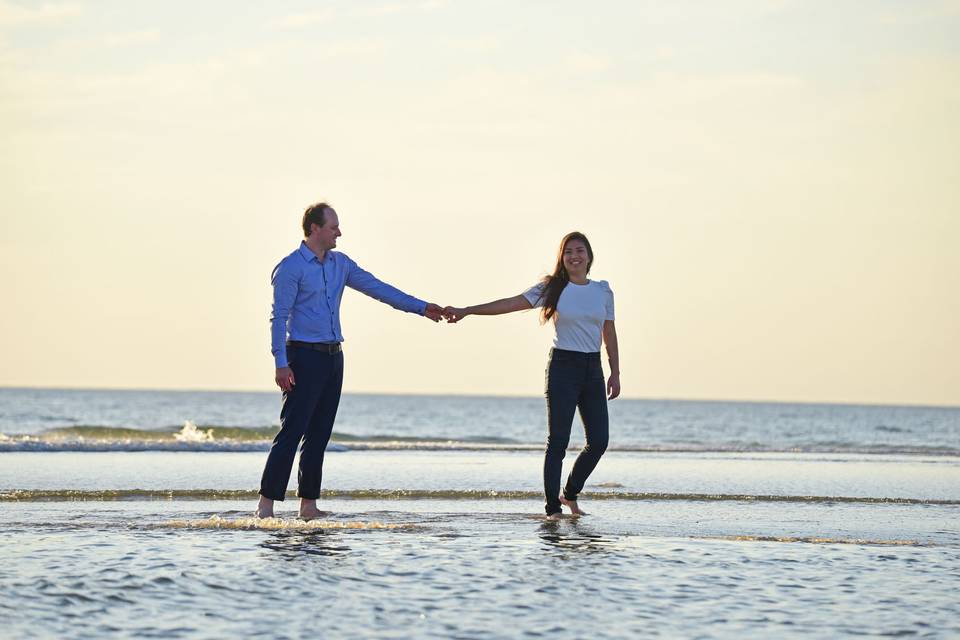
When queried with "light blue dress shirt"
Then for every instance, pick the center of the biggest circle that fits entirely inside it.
(307, 293)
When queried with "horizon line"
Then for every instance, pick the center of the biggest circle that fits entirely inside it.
(496, 395)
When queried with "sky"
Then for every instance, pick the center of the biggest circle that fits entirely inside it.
(771, 188)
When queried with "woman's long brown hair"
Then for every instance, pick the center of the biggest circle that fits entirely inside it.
(554, 284)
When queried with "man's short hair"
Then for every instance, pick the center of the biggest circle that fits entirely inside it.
(315, 214)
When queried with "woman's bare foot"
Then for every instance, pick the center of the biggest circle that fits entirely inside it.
(264, 508)
(309, 510)
(572, 505)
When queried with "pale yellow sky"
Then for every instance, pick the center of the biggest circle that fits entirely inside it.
(772, 189)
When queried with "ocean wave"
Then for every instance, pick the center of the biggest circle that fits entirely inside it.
(12, 444)
(191, 437)
(188, 432)
(69, 495)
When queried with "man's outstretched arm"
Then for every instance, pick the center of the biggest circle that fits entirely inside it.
(368, 284)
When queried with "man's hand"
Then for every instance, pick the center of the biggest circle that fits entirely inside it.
(613, 386)
(284, 378)
(433, 311)
(454, 314)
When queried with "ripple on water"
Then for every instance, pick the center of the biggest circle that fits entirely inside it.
(456, 573)
(273, 524)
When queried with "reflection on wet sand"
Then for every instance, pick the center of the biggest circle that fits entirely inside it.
(573, 536)
(293, 545)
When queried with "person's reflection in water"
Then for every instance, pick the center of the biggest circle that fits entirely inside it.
(571, 536)
(293, 545)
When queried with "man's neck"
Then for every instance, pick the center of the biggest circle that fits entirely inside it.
(314, 246)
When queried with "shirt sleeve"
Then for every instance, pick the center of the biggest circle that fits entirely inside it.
(286, 283)
(608, 302)
(534, 295)
(368, 284)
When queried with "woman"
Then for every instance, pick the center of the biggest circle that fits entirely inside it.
(582, 314)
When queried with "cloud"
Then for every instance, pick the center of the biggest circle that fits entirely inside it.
(479, 44)
(665, 53)
(920, 13)
(354, 48)
(403, 7)
(14, 15)
(588, 63)
(131, 38)
(324, 16)
(77, 47)
(301, 20)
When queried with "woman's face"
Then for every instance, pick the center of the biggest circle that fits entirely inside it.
(575, 258)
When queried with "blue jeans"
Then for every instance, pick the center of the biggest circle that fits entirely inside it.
(306, 418)
(574, 381)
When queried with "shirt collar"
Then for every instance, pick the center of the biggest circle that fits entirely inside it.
(306, 253)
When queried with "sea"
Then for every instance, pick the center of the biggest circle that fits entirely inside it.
(130, 514)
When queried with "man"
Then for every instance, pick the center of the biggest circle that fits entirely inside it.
(305, 339)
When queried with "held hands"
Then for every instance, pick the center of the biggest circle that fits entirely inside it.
(451, 314)
(454, 314)
(433, 312)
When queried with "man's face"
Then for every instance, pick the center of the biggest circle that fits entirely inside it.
(326, 236)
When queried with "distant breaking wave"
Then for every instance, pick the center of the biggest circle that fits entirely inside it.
(67, 495)
(190, 437)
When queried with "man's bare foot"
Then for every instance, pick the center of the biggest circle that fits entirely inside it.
(264, 508)
(572, 505)
(554, 517)
(309, 510)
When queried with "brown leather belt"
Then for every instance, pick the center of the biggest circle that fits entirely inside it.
(324, 347)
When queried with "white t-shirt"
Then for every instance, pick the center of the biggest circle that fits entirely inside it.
(581, 312)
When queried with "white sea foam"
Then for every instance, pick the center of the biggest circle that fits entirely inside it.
(190, 433)
(218, 522)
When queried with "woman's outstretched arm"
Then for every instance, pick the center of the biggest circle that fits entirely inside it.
(613, 354)
(495, 308)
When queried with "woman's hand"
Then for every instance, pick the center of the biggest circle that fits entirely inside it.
(613, 386)
(454, 314)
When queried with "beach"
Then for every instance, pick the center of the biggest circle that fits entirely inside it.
(427, 234)
(445, 538)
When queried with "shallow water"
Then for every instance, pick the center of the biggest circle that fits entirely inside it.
(784, 475)
(452, 544)
(437, 569)
(706, 520)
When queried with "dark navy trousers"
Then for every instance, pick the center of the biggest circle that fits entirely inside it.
(306, 419)
(574, 381)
